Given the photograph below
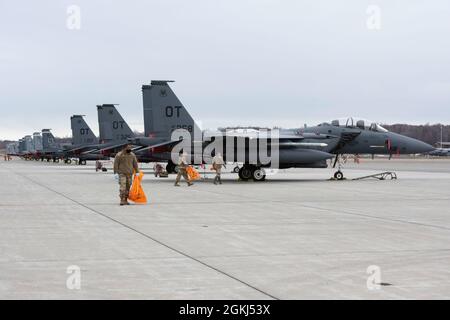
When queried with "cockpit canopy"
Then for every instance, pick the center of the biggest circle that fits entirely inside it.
(354, 122)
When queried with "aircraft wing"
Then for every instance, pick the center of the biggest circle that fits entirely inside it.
(108, 148)
(87, 149)
(162, 144)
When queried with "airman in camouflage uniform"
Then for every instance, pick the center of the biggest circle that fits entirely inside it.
(125, 163)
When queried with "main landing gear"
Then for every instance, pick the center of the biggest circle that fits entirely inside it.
(249, 171)
(171, 167)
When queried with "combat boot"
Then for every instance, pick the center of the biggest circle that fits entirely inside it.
(126, 199)
(123, 200)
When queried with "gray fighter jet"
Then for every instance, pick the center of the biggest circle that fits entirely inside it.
(12, 149)
(440, 152)
(359, 136)
(83, 139)
(303, 147)
(51, 150)
(114, 134)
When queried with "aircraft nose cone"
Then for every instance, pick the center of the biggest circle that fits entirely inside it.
(417, 146)
(424, 147)
(407, 145)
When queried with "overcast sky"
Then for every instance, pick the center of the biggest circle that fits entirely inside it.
(260, 62)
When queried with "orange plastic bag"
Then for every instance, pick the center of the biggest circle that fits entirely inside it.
(192, 173)
(137, 193)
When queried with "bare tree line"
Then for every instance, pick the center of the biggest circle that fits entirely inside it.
(428, 133)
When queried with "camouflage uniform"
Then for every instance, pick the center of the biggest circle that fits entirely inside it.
(217, 163)
(182, 166)
(124, 165)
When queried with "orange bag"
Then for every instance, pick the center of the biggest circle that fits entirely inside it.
(192, 173)
(137, 194)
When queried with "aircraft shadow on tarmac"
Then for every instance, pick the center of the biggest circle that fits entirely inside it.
(225, 181)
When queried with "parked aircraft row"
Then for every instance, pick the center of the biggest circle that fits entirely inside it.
(440, 152)
(305, 147)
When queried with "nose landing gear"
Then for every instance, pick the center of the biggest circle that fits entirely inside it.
(338, 175)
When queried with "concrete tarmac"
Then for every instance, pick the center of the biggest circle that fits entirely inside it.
(295, 236)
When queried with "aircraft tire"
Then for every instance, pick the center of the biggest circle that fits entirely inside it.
(259, 174)
(170, 167)
(338, 175)
(82, 162)
(245, 173)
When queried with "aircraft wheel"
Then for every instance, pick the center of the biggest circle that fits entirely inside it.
(170, 167)
(338, 175)
(259, 174)
(82, 162)
(236, 169)
(68, 161)
(245, 173)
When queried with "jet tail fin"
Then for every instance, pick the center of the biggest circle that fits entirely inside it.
(48, 140)
(112, 126)
(164, 112)
(81, 132)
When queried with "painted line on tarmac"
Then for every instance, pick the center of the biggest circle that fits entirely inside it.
(150, 237)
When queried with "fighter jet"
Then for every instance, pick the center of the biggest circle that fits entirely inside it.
(359, 136)
(164, 113)
(83, 140)
(85, 145)
(440, 152)
(12, 149)
(51, 150)
(115, 133)
(30, 147)
(37, 147)
(303, 147)
(25, 147)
